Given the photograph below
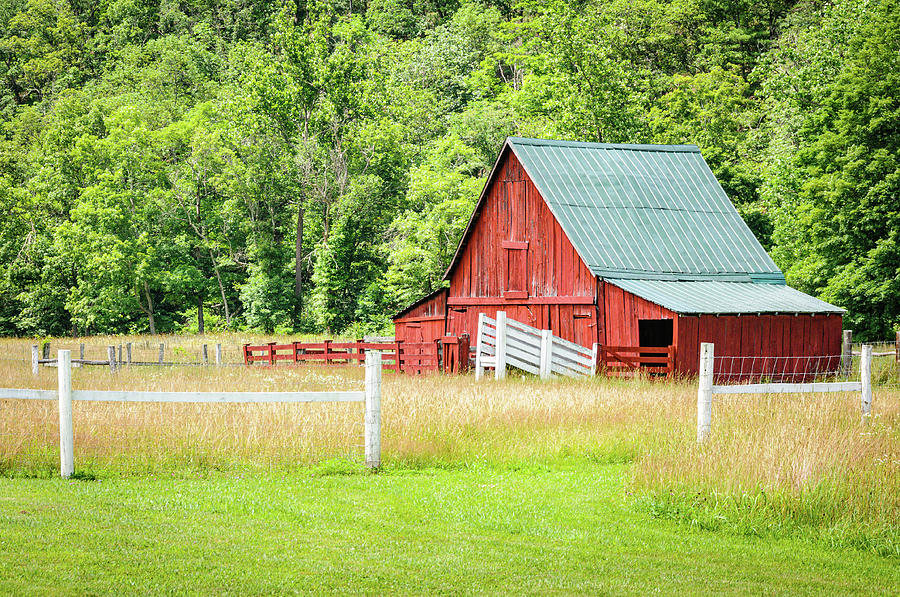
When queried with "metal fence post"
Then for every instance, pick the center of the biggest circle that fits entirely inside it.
(373, 409)
(500, 353)
(704, 391)
(66, 440)
(546, 353)
(865, 378)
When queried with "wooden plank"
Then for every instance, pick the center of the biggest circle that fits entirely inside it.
(27, 394)
(138, 396)
(788, 388)
(469, 301)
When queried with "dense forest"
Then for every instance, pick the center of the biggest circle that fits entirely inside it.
(174, 165)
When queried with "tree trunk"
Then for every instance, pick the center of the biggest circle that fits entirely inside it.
(201, 327)
(298, 259)
(150, 309)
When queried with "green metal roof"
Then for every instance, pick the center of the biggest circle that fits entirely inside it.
(725, 297)
(644, 211)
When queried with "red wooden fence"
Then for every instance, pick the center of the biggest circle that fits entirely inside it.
(449, 354)
(625, 360)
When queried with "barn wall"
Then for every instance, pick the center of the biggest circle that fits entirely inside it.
(424, 322)
(757, 335)
(622, 312)
(518, 259)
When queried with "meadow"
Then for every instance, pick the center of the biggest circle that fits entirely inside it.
(599, 482)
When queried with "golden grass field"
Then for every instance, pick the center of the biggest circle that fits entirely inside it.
(805, 459)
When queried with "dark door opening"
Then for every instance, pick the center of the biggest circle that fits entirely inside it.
(652, 333)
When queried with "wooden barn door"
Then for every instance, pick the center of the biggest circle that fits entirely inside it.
(515, 248)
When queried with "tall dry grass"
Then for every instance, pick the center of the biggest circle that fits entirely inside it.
(773, 464)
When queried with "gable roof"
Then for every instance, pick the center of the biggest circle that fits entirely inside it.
(639, 211)
(644, 211)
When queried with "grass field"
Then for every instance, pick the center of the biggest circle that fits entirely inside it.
(592, 486)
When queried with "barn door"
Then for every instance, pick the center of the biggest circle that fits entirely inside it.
(515, 247)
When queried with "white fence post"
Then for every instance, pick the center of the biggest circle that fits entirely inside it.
(865, 379)
(704, 391)
(35, 357)
(546, 353)
(500, 353)
(595, 357)
(66, 440)
(218, 354)
(479, 347)
(373, 409)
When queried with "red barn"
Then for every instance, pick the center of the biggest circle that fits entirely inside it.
(621, 245)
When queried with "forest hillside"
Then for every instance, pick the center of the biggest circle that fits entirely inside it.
(168, 166)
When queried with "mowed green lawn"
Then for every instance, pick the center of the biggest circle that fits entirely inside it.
(559, 530)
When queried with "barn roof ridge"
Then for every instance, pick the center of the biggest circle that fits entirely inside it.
(685, 148)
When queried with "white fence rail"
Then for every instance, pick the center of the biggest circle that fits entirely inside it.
(707, 388)
(65, 394)
(505, 341)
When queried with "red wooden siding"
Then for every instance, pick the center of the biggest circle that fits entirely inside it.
(623, 310)
(423, 322)
(758, 336)
(518, 259)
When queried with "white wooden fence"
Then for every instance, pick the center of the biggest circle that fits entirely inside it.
(707, 388)
(505, 341)
(65, 394)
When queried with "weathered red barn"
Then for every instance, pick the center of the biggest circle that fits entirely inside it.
(621, 245)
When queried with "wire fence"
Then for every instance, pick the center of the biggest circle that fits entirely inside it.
(802, 369)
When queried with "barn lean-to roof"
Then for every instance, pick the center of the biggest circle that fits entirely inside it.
(638, 214)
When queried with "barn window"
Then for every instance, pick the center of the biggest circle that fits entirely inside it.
(655, 332)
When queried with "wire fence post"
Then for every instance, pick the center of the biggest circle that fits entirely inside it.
(162, 349)
(704, 391)
(111, 356)
(546, 353)
(128, 353)
(500, 352)
(81, 351)
(865, 378)
(218, 354)
(846, 351)
(372, 435)
(205, 352)
(66, 439)
(35, 359)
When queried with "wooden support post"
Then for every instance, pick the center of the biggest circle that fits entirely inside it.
(546, 353)
(111, 356)
(479, 347)
(128, 353)
(327, 351)
(398, 364)
(46, 350)
(500, 368)
(66, 439)
(35, 359)
(846, 351)
(119, 360)
(595, 356)
(897, 348)
(205, 354)
(865, 378)
(704, 391)
(440, 355)
(271, 353)
(162, 350)
(463, 353)
(373, 410)
(218, 354)
(81, 351)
